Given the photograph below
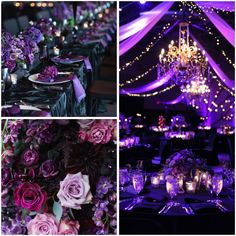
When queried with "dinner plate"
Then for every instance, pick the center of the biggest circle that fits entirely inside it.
(67, 60)
(23, 107)
(34, 78)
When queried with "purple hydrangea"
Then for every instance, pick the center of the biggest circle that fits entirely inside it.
(49, 73)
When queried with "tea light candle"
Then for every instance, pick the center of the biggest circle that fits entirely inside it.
(14, 79)
(208, 182)
(190, 186)
(161, 177)
(56, 51)
(204, 177)
(155, 181)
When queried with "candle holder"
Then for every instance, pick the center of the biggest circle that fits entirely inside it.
(56, 51)
(180, 180)
(190, 186)
(155, 180)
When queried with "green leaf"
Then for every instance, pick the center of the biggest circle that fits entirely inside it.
(33, 213)
(57, 210)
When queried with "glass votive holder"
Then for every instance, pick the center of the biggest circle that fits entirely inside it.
(155, 180)
(161, 177)
(56, 51)
(190, 186)
(13, 79)
(180, 181)
(204, 177)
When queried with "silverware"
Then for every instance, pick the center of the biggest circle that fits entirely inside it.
(133, 202)
(40, 106)
(188, 209)
(218, 204)
(166, 208)
(139, 200)
(57, 88)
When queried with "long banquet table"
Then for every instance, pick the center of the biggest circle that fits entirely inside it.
(63, 103)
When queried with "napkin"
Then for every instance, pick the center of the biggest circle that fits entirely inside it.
(78, 88)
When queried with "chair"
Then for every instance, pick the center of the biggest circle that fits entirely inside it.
(98, 90)
(11, 26)
(23, 22)
(42, 14)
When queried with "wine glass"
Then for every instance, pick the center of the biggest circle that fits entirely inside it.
(217, 184)
(138, 181)
(124, 178)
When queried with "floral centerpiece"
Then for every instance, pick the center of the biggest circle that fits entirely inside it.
(20, 50)
(178, 121)
(183, 162)
(58, 177)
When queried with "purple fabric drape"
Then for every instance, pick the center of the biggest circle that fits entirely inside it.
(226, 30)
(131, 41)
(226, 6)
(140, 23)
(224, 78)
(148, 87)
(175, 101)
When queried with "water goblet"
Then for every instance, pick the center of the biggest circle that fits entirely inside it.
(172, 187)
(124, 178)
(138, 181)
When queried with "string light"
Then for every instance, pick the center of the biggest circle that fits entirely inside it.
(151, 94)
(154, 41)
(139, 76)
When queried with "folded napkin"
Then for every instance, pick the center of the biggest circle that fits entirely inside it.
(78, 88)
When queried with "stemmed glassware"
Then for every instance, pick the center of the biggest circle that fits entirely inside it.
(217, 184)
(138, 181)
(124, 178)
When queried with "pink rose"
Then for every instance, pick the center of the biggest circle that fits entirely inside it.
(69, 227)
(43, 224)
(74, 191)
(100, 133)
(82, 136)
(30, 196)
(85, 123)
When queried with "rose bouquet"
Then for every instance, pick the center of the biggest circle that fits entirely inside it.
(58, 177)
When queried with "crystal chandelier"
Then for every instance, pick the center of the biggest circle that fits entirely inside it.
(185, 60)
(196, 90)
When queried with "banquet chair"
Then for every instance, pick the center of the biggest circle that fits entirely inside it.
(23, 22)
(11, 26)
(42, 14)
(97, 91)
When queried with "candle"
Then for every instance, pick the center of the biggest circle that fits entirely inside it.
(14, 79)
(155, 181)
(56, 51)
(190, 186)
(204, 177)
(161, 176)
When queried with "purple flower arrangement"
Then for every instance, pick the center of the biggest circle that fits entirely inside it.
(48, 74)
(62, 11)
(54, 182)
(19, 50)
(183, 162)
(46, 27)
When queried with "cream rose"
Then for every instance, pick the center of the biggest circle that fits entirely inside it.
(85, 124)
(75, 191)
(43, 224)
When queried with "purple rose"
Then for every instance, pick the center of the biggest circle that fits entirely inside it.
(48, 169)
(29, 157)
(6, 176)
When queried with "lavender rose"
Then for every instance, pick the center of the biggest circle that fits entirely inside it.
(29, 157)
(100, 133)
(69, 227)
(30, 196)
(43, 224)
(48, 169)
(75, 191)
